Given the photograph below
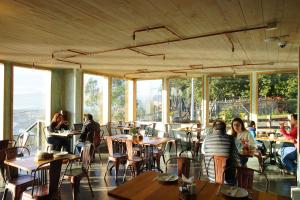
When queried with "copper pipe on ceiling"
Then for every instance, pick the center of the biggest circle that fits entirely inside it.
(68, 50)
(196, 66)
(230, 40)
(170, 41)
(71, 62)
(146, 53)
(154, 28)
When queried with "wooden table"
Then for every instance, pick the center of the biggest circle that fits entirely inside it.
(65, 133)
(273, 158)
(151, 141)
(30, 164)
(146, 187)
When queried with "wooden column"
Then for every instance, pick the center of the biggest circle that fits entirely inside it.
(8, 101)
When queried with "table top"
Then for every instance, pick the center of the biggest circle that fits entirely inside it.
(153, 141)
(188, 129)
(30, 163)
(65, 133)
(146, 187)
(275, 139)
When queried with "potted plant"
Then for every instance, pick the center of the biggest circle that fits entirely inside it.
(133, 132)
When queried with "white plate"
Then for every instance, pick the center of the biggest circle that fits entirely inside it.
(165, 177)
(233, 191)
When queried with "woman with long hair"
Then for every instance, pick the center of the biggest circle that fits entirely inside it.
(243, 139)
(58, 124)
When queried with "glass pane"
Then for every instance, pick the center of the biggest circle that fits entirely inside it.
(118, 100)
(31, 97)
(277, 97)
(1, 99)
(149, 100)
(93, 95)
(185, 99)
(229, 97)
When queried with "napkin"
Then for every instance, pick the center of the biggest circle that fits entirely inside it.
(188, 180)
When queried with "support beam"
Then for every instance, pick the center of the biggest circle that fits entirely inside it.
(205, 101)
(165, 101)
(8, 101)
(253, 97)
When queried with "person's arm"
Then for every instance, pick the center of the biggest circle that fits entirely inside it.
(203, 147)
(251, 142)
(289, 135)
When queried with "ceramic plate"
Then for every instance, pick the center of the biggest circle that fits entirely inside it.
(233, 191)
(165, 177)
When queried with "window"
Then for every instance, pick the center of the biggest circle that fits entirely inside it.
(277, 97)
(118, 100)
(1, 99)
(31, 97)
(229, 97)
(185, 99)
(149, 100)
(93, 96)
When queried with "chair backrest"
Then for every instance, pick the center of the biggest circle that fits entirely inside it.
(184, 166)
(4, 144)
(87, 154)
(48, 173)
(110, 146)
(215, 167)
(245, 176)
(129, 149)
(22, 139)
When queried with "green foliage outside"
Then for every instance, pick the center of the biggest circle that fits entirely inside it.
(277, 94)
(118, 100)
(180, 98)
(92, 97)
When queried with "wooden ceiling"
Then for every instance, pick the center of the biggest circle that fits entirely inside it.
(74, 33)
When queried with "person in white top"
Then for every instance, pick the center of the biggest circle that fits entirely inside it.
(243, 138)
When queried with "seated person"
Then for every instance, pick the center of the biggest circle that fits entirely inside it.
(87, 133)
(260, 146)
(242, 138)
(289, 150)
(220, 144)
(58, 124)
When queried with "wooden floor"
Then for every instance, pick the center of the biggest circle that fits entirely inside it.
(279, 183)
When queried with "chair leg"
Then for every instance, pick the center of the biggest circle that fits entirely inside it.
(117, 164)
(75, 188)
(88, 178)
(5, 194)
(124, 177)
(106, 168)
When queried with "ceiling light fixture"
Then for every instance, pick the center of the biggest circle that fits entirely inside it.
(271, 26)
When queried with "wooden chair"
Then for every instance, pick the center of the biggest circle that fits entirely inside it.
(98, 138)
(184, 166)
(115, 155)
(244, 177)
(159, 152)
(75, 175)
(15, 184)
(134, 162)
(46, 133)
(111, 128)
(3, 147)
(174, 141)
(47, 181)
(215, 168)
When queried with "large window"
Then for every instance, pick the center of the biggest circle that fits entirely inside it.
(185, 99)
(149, 100)
(118, 100)
(1, 99)
(229, 97)
(277, 97)
(93, 96)
(31, 97)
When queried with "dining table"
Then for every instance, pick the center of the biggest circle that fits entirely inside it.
(147, 187)
(273, 157)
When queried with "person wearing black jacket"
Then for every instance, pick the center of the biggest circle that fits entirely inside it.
(87, 133)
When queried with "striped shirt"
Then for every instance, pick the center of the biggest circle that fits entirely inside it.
(219, 144)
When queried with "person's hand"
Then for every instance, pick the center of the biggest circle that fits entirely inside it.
(281, 124)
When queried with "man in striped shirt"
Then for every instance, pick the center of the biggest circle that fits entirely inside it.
(220, 144)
